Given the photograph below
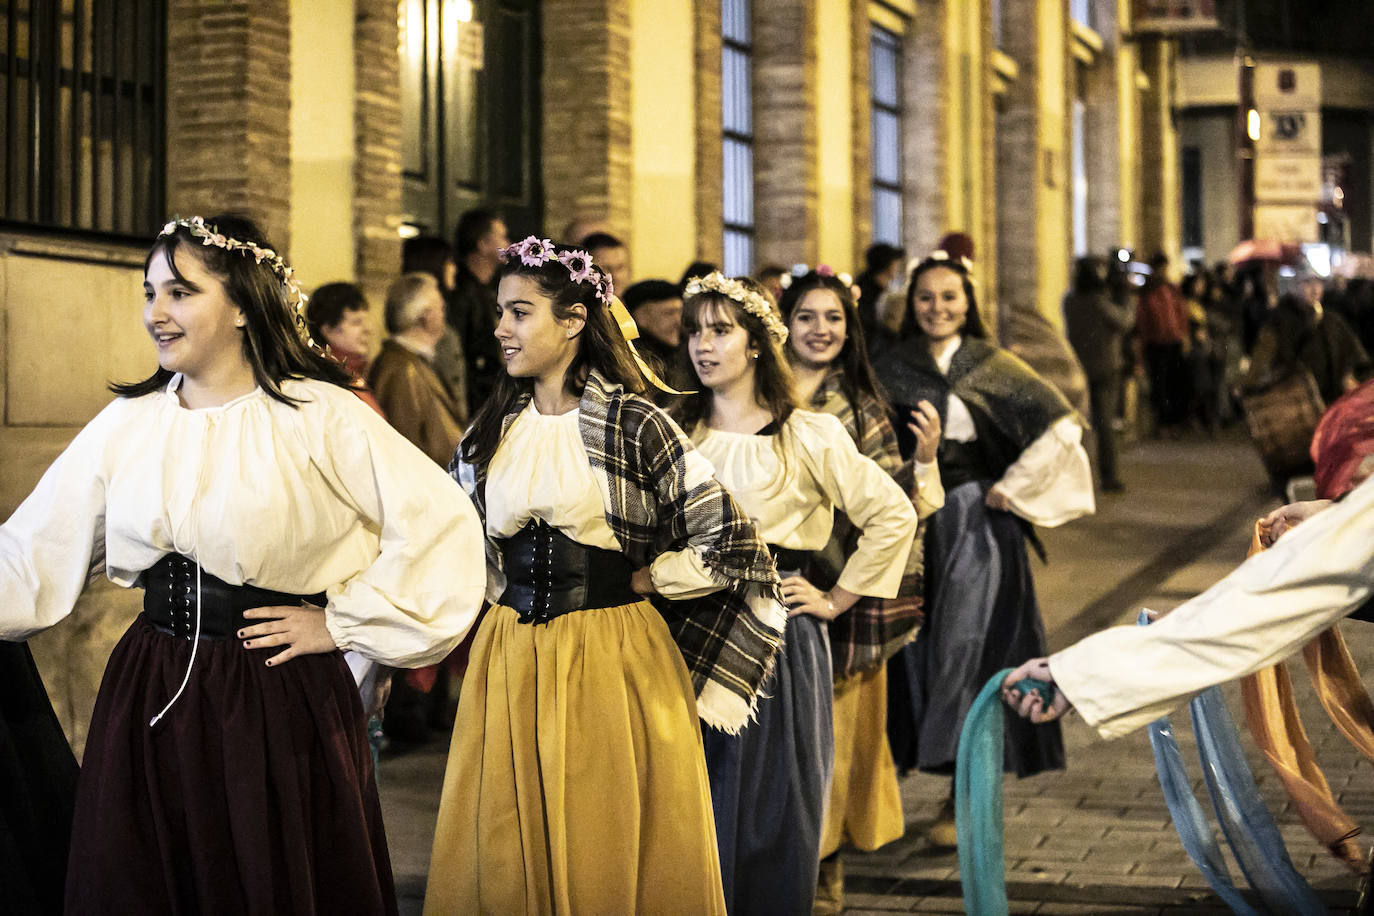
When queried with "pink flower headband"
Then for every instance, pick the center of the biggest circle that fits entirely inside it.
(536, 252)
(800, 270)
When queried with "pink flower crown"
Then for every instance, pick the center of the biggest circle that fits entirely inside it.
(536, 252)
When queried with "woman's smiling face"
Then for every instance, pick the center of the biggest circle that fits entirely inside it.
(198, 331)
(940, 304)
(817, 328)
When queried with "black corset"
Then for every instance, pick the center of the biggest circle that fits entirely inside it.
(169, 600)
(548, 574)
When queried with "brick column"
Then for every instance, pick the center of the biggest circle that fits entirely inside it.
(1159, 199)
(924, 128)
(862, 106)
(710, 165)
(229, 110)
(785, 181)
(586, 118)
(377, 151)
(1103, 138)
(1018, 155)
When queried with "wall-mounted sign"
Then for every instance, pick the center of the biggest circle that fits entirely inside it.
(1174, 16)
(1288, 150)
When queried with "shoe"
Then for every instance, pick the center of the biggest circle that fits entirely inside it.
(830, 888)
(943, 832)
(1113, 486)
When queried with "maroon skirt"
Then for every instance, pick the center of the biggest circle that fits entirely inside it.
(254, 794)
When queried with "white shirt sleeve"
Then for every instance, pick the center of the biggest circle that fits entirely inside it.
(418, 598)
(930, 489)
(872, 500)
(1277, 601)
(680, 574)
(1051, 482)
(54, 543)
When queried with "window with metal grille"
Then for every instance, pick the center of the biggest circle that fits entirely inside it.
(737, 128)
(82, 100)
(885, 91)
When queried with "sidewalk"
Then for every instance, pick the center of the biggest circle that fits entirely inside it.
(1097, 838)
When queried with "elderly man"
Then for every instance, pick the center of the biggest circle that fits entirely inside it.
(403, 378)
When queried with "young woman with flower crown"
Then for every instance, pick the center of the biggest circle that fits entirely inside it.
(1011, 456)
(790, 469)
(576, 782)
(272, 520)
(829, 359)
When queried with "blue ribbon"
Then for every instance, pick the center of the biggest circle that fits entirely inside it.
(1246, 822)
(978, 803)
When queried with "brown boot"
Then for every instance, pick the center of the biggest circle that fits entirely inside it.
(942, 832)
(830, 887)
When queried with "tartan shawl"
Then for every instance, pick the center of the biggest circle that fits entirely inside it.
(871, 631)
(660, 496)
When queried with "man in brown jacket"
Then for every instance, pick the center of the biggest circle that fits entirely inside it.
(403, 377)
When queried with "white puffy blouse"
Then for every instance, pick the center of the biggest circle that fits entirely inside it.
(321, 497)
(793, 501)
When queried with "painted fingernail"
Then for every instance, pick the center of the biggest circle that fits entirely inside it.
(269, 663)
(240, 634)
(248, 643)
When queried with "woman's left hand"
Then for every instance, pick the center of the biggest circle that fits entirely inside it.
(301, 629)
(925, 426)
(996, 499)
(801, 597)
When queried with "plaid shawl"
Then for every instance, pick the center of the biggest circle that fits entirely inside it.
(874, 628)
(663, 497)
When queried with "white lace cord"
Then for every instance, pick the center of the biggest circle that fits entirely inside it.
(195, 646)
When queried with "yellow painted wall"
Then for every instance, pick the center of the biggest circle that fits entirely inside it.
(835, 135)
(322, 141)
(1053, 171)
(663, 146)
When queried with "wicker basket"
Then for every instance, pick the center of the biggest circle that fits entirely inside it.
(1282, 418)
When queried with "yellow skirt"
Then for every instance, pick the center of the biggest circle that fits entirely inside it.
(576, 781)
(865, 799)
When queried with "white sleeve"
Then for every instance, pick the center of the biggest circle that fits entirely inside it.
(54, 543)
(680, 574)
(930, 489)
(421, 594)
(1051, 482)
(1126, 677)
(872, 500)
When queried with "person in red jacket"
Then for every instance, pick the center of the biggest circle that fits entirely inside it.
(1162, 329)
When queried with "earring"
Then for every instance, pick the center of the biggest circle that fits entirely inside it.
(239, 323)
(756, 356)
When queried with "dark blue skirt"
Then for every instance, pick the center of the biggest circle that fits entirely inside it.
(981, 617)
(770, 783)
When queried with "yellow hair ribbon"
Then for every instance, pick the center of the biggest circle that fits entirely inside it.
(630, 331)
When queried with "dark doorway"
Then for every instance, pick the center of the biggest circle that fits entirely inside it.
(470, 99)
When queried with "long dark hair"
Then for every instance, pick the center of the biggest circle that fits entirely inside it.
(973, 323)
(857, 379)
(600, 347)
(773, 385)
(272, 346)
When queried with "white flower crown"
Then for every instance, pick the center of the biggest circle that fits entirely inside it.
(210, 235)
(741, 295)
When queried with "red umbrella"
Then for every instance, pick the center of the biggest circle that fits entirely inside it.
(1252, 250)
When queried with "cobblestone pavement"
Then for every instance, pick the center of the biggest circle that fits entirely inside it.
(1096, 838)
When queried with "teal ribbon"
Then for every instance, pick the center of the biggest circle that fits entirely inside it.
(978, 803)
